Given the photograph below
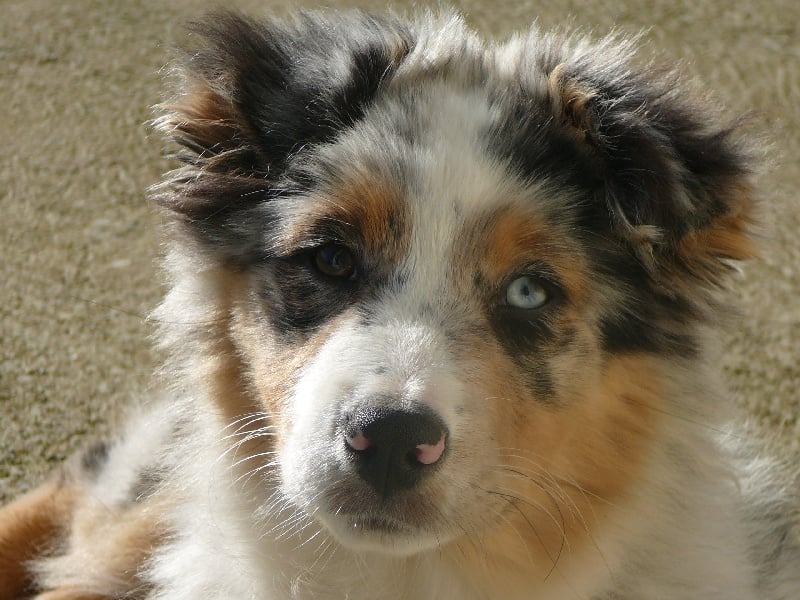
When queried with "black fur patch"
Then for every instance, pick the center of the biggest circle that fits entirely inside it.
(284, 82)
(531, 338)
(94, 458)
(629, 332)
(299, 299)
(147, 483)
(662, 161)
(648, 318)
(538, 149)
(287, 88)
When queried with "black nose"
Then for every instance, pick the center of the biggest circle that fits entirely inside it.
(393, 449)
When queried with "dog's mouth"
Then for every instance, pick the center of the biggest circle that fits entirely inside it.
(370, 524)
(400, 526)
(377, 533)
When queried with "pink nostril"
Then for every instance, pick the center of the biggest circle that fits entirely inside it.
(428, 454)
(358, 442)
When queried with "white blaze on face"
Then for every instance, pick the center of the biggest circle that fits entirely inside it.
(455, 180)
(403, 355)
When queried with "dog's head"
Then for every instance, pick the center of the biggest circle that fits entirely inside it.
(465, 283)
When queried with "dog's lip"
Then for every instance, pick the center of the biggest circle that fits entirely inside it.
(375, 523)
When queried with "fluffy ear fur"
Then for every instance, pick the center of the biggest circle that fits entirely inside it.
(253, 95)
(674, 182)
(254, 98)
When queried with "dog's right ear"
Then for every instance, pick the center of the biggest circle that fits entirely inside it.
(253, 96)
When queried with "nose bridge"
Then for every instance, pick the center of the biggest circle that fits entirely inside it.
(411, 317)
(412, 367)
(409, 320)
(409, 345)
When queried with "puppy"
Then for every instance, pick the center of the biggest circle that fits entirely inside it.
(440, 323)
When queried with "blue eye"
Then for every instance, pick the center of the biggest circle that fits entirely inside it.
(526, 292)
(335, 261)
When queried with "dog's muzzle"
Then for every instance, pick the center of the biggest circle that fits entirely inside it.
(394, 449)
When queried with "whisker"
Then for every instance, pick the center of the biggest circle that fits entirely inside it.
(555, 488)
(252, 456)
(510, 501)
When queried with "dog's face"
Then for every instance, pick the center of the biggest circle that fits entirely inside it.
(438, 305)
(459, 280)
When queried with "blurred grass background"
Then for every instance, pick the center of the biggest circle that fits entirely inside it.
(79, 245)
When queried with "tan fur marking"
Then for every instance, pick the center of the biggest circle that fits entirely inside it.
(370, 206)
(247, 372)
(205, 117)
(274, 368)
(378, 212)
(609, 437)
(726, 237)
(224, 365)
(564, 470)
(570, 100)
(221, 365)
(69, 594)
(511, 240)
(30, 527)
(107, 549)
(517, 238)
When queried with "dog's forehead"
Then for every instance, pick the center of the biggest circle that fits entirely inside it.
(421, 166)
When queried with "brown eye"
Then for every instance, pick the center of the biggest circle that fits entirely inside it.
(335, 261)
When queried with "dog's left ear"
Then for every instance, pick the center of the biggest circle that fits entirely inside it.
(252, 95)
(675, 185)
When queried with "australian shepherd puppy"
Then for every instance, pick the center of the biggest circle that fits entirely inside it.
(439, 325)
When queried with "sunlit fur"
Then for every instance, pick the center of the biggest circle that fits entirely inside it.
(588, 449)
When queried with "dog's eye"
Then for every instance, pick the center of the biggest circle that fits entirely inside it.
(335, 261)
(526, 292)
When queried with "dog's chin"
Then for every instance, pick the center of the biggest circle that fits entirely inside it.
(370, 533)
